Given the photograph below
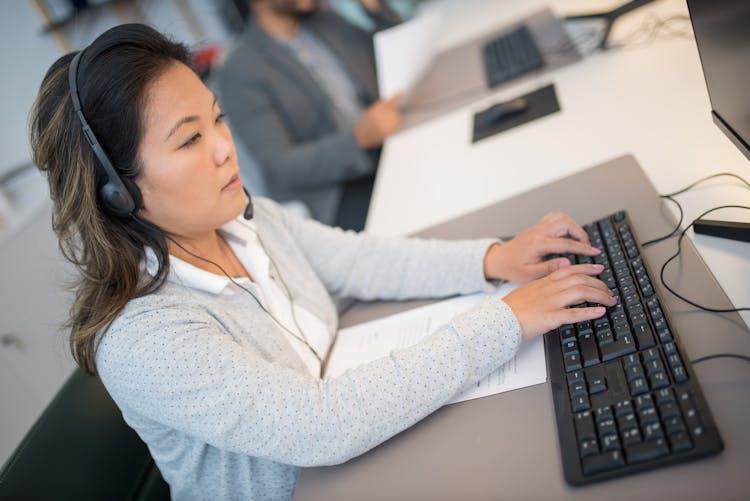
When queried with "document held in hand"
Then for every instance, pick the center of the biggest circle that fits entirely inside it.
(404, 52)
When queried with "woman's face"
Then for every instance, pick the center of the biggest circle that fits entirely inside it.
(190, 178)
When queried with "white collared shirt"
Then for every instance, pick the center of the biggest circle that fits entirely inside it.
(300, 326)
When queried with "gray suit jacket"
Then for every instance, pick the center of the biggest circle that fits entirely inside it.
(286, 121)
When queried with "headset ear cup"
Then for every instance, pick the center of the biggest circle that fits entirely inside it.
(121, 197)
(135, 193)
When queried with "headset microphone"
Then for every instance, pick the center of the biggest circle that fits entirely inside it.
(248, 214)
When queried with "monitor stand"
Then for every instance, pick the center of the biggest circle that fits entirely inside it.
(609, 17)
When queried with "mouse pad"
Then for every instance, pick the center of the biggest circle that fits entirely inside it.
(541, 102)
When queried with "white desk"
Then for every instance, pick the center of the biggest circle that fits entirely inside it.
(650, 101)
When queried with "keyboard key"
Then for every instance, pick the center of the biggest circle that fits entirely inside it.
(638, 386)
(669, 409)
(607, 427)
(643, 401)
(631, 436)
(603, 413)
(665, 335)
(674, 425)
(623, 407)
(669, 348)
(654, 365)
(634, 372)
(584, 424)
(627, 422)
(665, 396)
(674, 360)
(637, 316)
(580, 403)
(572, 361)
(567, 333)
(620, 321)
(658, 380)
(589, 352)
(584, 328)
(646, 451)
(578, 389)
(650, 354)
(648, 415)
(680, 442)
(630, 361)
(644, 336)
(653, 304)
(575, 377)
(652, 431)
(610, 442)
(570, 346)
(605, 337)
(602, 462)
(588, 448)
(679, 374)
(623, 346)
(622, 329)
(598, 384)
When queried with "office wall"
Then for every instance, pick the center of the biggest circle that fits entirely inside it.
(26, 53)
(34, 359)
(24, 57)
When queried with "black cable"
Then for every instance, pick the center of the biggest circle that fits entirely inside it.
(669, 196)
(679, 249)
(712, 176)
(720, 355)
(653, 28)
(676, 228)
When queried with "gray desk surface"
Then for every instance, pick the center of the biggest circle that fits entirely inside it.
(505, 446)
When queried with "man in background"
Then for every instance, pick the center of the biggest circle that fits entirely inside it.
(300, 91)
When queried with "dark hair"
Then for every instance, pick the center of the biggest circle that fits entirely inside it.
(114, 75)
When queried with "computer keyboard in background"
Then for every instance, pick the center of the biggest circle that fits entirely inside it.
(625, 397)
(510, 55)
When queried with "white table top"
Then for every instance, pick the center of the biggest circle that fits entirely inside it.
(649, 100)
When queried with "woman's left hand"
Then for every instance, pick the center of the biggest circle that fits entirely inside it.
(522, 259)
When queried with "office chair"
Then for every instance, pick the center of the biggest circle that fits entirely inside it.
(80, 448)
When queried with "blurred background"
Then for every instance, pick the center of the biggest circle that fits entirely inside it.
(34, 358)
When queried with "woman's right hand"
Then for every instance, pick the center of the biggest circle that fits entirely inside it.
(543, 305)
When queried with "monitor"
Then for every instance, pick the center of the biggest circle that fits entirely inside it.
(722, 32)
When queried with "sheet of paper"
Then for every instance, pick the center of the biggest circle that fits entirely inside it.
(404, 52)
(369, 341)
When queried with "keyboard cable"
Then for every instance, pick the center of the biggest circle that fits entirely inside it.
(720, 355)
(670, 197)
(679, 250)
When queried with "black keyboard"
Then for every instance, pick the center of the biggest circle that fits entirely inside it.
(510, 55)
(626, 399)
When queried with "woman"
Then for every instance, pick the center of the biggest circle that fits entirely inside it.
(209, 330)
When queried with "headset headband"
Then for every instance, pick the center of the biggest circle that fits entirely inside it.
(114, 194)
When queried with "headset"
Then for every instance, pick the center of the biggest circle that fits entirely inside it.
(119, 195)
